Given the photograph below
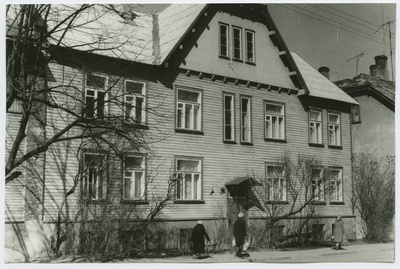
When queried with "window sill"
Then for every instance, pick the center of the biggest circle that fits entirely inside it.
(137, 125)
(277, 202)
(187, 131)
(246, 143)
(275, 140)
(97, 202)
(335, 147)
(134, 202)
(189, 202)
(250, 63)
(224, 57)
(316, 145)
(356, 122)
(229, 142)
(237, 60)
(337, 203)
(318, 203)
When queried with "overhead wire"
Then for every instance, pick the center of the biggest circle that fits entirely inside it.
(337, 24)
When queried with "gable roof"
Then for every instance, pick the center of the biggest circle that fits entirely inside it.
(318, 85)
(385, 87)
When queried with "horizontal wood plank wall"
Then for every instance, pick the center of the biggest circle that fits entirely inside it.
(221, 162)
(15, 190)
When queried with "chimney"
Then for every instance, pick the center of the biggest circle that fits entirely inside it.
(324, 71)
(381, 67)
(372, 70)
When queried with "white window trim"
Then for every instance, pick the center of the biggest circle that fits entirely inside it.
(331, 126)
(227, 40)
(183, 110)
(270, 191)
(253, 46)
(338, 190)
(269, 118)
(95, 96)
(312, 124)
(249, 120)
(232, 113)
(182, 184)
(240, 43)
(85, 184)
(133, 102)
(318, 181)
(133, 180)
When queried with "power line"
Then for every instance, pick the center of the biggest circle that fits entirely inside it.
(356, 31)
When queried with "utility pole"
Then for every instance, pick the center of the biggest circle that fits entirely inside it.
(357, 57)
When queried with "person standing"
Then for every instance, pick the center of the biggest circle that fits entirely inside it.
(198, 234)
(338, 232)
(239, 232)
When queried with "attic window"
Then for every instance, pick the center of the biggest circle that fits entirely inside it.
(250, 47)
(223, 40)
(355, 114)
(237, 43)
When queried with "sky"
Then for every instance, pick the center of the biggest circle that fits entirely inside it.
(333, 35)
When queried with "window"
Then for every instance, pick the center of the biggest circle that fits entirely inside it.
(275, 185)
(237, 43)
(94, 180)
(315, 127)
(355, 114)
(336, 185)
(317, 185)
(188, 114)
(245, 119)
(250, 47)
(96, 96)
(334, 129)
(224, 40)
(229, 117)
(274, 121)
(134, 178)
(188, 179)
(135, 100)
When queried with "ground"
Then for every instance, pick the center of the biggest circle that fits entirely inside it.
(356, 252)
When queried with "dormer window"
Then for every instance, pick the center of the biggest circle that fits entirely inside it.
(237, 43)
(135, 97)
(224, 40)
(95, 96)
(250, 47)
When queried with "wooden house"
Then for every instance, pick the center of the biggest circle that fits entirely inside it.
(231, 99)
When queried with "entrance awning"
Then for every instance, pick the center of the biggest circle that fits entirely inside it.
(243, 181)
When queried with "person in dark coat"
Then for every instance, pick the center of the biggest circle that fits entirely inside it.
(239, 232)
(198, 234)
(338, 232)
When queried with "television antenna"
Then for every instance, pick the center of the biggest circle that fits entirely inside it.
(357, 58)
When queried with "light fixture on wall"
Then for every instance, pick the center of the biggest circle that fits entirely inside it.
(212, 191)
(222, 191)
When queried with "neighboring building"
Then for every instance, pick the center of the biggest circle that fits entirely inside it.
(373, 121)
(233, 99)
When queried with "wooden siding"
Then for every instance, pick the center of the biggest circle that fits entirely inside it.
(15, 190)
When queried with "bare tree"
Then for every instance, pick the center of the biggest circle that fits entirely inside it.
(291, 188)
(374, 194)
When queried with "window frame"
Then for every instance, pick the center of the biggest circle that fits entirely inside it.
(242, 141)
(85, 192)
(240, 58)
(199, 186)
(143, 169)
(183, 109)
(353, 110)
(335, 125)
(227, 39)
(341, 189)
(232, 117)
(282, 187)
(321, 179)
(134, 97)
(96, 91)
(320, 134)
(250, 61)
(283, 105)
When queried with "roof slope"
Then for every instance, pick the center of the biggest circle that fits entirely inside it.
(320, 86)
(174, 22)
(385, 87)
